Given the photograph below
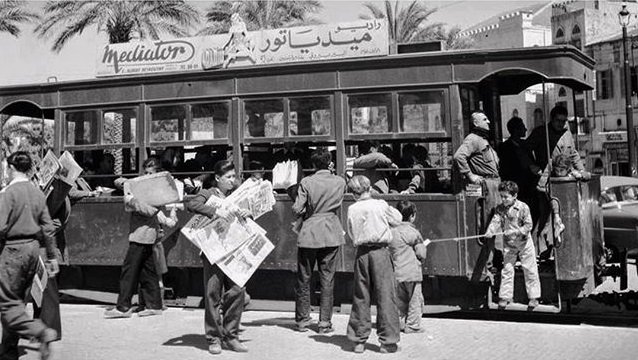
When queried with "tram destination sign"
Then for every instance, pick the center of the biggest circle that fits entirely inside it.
(241, 48)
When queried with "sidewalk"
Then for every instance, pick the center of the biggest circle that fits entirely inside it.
(178, 335)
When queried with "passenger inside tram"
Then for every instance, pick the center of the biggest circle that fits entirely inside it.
(369, 160)
(415, 171)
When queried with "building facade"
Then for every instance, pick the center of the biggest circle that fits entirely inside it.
(524, 27)
(593, 27)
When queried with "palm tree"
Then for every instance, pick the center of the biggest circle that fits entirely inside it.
(12, 13)
(260, 14)
(405, 24)
(450, 38)
(121, 20)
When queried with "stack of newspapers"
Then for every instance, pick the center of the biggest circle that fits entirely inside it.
(236, 245)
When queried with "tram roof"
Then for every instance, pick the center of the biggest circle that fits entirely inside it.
(513, 70)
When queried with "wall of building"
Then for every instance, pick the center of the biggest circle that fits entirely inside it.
(597, 20)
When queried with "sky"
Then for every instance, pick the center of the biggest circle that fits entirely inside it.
(28, 60)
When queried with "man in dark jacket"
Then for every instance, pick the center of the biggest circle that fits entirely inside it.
(517, 164)
(318, 200)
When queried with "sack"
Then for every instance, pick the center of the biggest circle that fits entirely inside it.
(285, 174)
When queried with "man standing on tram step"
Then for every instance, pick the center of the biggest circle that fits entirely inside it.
(23, 219)
(561, 142)
(318, 200)
(517, 163)
(478, 161)
(139, 263)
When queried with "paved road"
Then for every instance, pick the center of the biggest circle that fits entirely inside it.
(177, 335)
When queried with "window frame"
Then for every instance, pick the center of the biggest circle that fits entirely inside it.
(426, 136)
(189, 118)
(605, 88)
(100, 128)
(287, 137)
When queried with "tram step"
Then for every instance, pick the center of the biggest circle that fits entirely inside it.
(523, 307)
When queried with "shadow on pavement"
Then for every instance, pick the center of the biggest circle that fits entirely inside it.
(191, 340)
(339, 340)
(284, 322)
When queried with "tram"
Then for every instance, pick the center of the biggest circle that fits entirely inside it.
(257, 112)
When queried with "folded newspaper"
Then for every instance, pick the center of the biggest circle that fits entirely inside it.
(47, 170)
(157, 189)
(39, 283)
(237, 246)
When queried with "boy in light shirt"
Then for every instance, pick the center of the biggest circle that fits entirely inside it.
(513, 219)
(369, 222)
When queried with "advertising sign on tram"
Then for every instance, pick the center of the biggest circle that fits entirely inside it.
(240, 48)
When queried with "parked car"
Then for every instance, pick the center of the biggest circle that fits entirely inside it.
(619, 200)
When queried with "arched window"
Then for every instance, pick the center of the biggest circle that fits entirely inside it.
(576, 31)
(559, 33)
(562, 92)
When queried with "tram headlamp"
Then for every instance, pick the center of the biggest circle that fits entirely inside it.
(623, 16)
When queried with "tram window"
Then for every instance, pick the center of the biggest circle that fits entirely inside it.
(264, 118)
(118, 126)
(210, 121)
(168, 123)
(421, 112)
(81, 127)
(102, 167)
(310, 116)
(27, 134)
(370, 113)
(422, 167)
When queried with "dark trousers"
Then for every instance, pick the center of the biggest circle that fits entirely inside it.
(49, 310)
(374, 276)
(18, 263)
(325, 260)
(139, 268)
(218, 286)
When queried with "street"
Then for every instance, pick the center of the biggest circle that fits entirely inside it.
(178, 334)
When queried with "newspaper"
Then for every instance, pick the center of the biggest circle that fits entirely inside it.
(255, 196)
(221, 237)
(237, 246)
(198, 222)
(49, 167)
(157, 189)
(242, 263)
(285, 174)
(39, 283)
(70, 170)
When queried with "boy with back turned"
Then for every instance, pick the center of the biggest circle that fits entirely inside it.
(407, 249)
(369, 222)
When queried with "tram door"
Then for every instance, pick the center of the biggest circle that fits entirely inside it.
(24, 126)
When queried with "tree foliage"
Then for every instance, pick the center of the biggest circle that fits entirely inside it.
(405, 23)
(450, 38)
(12, 14)
(260, 14)
(121, 20)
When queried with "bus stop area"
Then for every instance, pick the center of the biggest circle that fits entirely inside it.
(178, 334)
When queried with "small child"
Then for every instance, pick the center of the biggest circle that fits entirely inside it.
(407, 249)
(369, 222)
(512, 217)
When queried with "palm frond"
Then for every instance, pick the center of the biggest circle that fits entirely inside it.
(260, 14)
(122, 20)
(14, 13)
